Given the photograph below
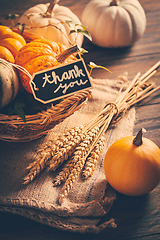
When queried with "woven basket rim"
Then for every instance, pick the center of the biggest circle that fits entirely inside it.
(14, 129)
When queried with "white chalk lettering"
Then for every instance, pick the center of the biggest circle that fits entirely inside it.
(70, 85)
(46, 79)
(79, 72)
(71, 74)
(55, 77)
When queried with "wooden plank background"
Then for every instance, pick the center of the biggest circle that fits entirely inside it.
(137, 218)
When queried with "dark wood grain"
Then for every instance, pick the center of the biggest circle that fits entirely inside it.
(139, 217)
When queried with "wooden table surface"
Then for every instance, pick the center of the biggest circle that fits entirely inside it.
(136, 217)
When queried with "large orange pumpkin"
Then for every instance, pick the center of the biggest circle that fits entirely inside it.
(38, 55)
(132, 165)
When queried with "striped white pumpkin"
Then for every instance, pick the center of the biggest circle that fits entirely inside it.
(9, 83)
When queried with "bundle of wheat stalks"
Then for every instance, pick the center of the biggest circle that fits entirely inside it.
(81, 146)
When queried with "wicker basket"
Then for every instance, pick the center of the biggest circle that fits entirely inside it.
(14, 129)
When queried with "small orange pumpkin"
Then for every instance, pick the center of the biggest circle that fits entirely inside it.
(132, 165)
(38, 55)
(6, 54)
(10, 43)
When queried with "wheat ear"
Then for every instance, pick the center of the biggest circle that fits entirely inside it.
(63, 175)
(37, 166)
(78, 161)
(93, 158)
(47, 152)
(72, 140)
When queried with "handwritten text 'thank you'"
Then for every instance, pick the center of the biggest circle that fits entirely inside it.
(62, 83)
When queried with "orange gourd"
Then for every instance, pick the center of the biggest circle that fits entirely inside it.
(132, 165)
(6, 54)
(6, 32)
(10, 43)
(41, 54)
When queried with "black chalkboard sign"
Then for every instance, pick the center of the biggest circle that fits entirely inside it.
(58, 82)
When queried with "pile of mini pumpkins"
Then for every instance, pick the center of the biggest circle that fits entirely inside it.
(37, 55)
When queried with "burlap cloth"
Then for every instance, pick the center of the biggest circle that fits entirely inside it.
(85, 209)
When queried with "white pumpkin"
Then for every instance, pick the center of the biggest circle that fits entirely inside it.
(47, 20)
(9, 83)
(114, 23)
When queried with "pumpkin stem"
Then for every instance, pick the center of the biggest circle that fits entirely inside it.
(66, 53)
(51, 6)
(114, 3)
(138, 139)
